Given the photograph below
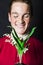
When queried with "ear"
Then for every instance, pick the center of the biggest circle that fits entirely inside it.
(9, 17)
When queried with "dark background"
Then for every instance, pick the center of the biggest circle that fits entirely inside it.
(37, 17)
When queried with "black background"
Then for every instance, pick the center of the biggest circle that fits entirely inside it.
(37, 17)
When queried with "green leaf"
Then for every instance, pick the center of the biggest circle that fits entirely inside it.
(31, 33)
(20, 45)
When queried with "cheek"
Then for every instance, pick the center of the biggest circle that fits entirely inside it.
(13, 21)
(27, 21)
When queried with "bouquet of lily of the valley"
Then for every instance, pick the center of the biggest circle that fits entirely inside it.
(20, 44)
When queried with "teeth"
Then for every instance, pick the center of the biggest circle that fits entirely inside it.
(20, 26)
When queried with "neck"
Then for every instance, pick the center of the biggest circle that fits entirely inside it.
(22, 36)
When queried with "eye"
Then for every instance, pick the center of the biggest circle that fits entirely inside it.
(26, 15)
(15, 16)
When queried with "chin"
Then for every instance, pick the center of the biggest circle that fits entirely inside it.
(22, 32)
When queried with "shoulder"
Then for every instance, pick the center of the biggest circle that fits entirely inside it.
(37, 45)
(3, 41)
(35, 42)
(5, 44)
(3, 38)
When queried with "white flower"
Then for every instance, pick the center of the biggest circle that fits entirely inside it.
(25, 49)
(7, 40)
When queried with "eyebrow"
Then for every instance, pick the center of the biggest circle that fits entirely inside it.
(14, 12)
(27, 13)
(17, 13)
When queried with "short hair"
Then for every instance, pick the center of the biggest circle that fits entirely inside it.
(25, 1)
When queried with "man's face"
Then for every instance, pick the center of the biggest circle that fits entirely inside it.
(19, 17)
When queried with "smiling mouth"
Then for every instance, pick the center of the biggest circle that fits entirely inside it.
(20, 25)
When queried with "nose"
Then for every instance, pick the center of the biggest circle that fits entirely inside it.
(21, 20)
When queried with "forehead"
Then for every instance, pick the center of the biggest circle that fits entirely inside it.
(20, 7)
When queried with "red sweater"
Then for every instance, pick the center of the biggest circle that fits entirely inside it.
(9, 55)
